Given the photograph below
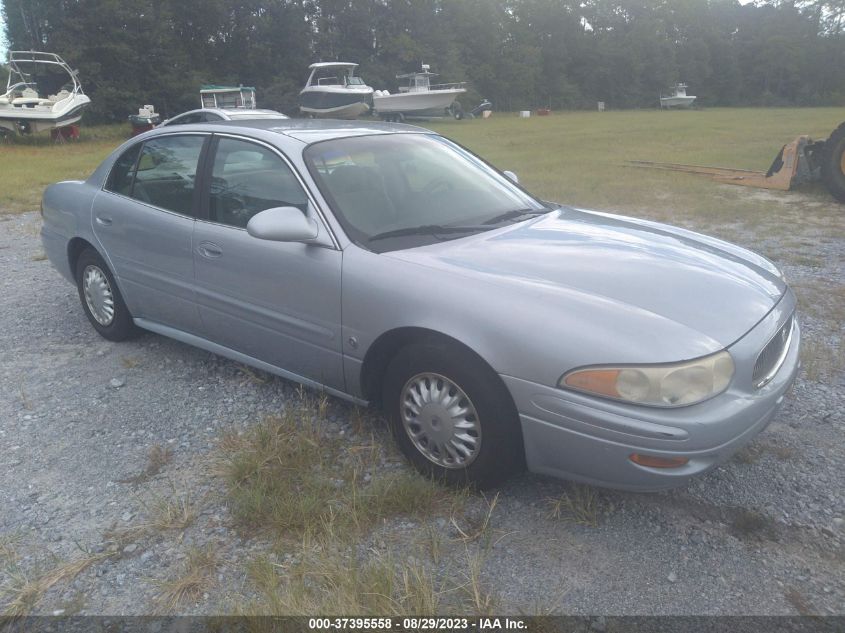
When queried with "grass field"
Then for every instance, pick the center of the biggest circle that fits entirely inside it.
(28, 164)
(579, 158)
(572, 157)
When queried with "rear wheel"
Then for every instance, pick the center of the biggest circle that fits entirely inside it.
(451, 416)
(833, 163)
(101, 299)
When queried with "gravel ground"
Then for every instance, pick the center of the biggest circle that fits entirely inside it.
(79, 415)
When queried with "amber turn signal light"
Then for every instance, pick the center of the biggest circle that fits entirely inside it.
(601, 381)
(658, 462)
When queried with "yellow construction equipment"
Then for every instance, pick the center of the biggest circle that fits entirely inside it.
(801, 161)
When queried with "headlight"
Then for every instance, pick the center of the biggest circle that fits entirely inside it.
(671, 385)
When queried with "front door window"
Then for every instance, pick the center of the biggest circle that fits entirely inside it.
(248, 178)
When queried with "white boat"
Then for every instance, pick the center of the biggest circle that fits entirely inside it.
(42, 93)
(227, 97)
(678, 99)
(418, 98)
(334, 91)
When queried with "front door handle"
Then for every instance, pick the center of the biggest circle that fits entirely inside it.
(209, 250)
(104, 220)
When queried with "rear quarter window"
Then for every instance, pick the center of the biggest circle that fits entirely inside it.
(123, 171)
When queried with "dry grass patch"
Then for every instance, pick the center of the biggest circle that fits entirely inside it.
(23, 591)
(821, 361)
(822, 299)
(197, 576)
(176, 513)
(321, 496)
(287, 476)
(798, 601)
(128, 362)
(157, 458)
(171, 514)
(753, 452)
(748, 524)
(477, 598)
(8, 549)
(253, 375)
(25, 401)
(580, 504)
(335, 580)
(478, 529)
(331, 581)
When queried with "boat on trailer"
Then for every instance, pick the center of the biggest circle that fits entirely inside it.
(227, 97)
(419, 97)
(43, 92)
(333, 90)
(678, 99)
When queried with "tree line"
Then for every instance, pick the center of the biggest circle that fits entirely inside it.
(520, 54)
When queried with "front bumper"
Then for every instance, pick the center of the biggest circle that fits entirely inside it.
(575, 436)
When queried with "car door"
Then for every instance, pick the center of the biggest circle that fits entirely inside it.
(144, 220)
(278, 302)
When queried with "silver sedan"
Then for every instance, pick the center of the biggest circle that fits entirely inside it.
(387, 265)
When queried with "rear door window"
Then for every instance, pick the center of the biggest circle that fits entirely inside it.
(166, 172)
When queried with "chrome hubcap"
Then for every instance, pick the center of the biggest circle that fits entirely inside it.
(98, 295)
(441, 420)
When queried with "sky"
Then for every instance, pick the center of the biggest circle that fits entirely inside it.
(2, 40)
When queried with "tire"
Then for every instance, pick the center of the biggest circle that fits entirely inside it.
(494, 450)
(455, 110)
(833, 163)
(101, 282)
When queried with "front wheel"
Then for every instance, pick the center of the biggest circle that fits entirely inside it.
(833, 163)
(101, 299)
(451, 416)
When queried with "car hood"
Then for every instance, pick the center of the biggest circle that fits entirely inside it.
(712, 287)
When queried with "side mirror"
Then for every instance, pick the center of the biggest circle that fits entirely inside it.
(282, 224)
(511, 176)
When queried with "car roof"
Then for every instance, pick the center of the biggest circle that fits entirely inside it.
(314, 130)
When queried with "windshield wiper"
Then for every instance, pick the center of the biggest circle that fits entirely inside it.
(516, 213)
(428, 229)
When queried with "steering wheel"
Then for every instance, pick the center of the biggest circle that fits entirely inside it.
(438, 184)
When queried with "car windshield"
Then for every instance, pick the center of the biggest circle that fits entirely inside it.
(394, 191)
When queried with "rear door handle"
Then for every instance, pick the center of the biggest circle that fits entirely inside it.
(104, 220)
(209, 250)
